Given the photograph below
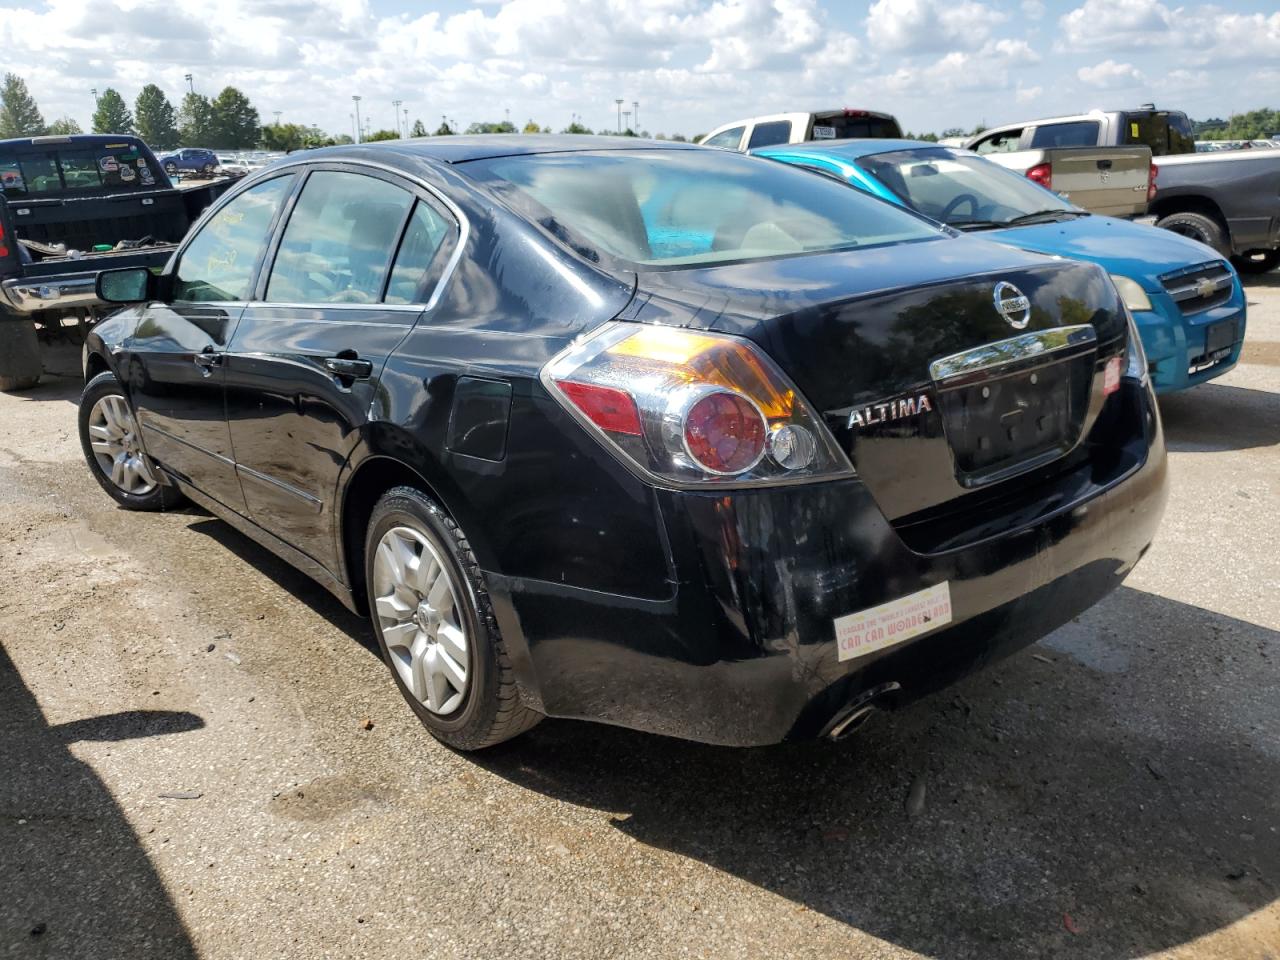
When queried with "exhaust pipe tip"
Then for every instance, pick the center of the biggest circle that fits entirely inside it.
(857, 713)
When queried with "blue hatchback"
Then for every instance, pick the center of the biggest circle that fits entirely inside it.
(1186, 299)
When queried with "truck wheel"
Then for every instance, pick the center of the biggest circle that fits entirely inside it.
(171, 168)
(1198, 227)
(435, 625)
(20, 365)
(1257, 261)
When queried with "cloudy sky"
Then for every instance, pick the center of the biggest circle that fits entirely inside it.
(691, 64)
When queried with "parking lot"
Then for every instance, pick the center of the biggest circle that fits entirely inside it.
(205, 757)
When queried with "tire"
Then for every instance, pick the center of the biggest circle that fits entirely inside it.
(1198, 227)
(489, 710)
(20, 364)
(207, 170)
(171, 169)
(1257, 261)
(137, 487)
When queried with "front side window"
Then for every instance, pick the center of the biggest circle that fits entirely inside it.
(669, 208)
(426, 234)
(958, 188)
(339, 240)
(767, 134)
(726, 140)
(218, 264)
(1079, 133)
(1006, 142)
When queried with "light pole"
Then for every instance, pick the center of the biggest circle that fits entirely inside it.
(94, 91)
(406, 121)
(627, 114)
(356, 101)
(636, 104)
(619, 103)
(395, 113)
(276, 114)
(191, 84)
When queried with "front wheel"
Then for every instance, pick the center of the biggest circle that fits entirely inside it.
(435, 626)
(112, 447)
(1257, 261)
(1198, 227)
(171, 169)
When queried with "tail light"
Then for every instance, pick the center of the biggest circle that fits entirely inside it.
(692, 408)
(1135, 367)
(1151, 182)
(4, 247)
(855, 113)
(1042, 173)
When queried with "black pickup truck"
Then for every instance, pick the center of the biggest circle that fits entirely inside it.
(74, 206)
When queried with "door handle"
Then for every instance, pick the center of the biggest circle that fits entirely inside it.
(1104, 164)
(351, 368)
(207, 359)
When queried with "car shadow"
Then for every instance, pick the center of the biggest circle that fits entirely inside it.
(74, 879)
(1251, 280)
(1073, 804)
(1214, 417)
(288, 578)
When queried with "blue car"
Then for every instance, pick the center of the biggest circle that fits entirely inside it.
(190, 160)
(1186, 299)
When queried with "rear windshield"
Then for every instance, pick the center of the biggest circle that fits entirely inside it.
(74, 169)
(1073, 133)
(840, 127)
(1164, 133)
(653, 209)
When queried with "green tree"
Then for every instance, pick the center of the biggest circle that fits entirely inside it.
(112, 115)
(679, 138)
(1254, 125)
(382, 135)
(480, 126)
(444, 130)
(418, 129)
(532, 127)
(576, 127)
(195, 121)
(64, 127)
(19, 115)
(234, 120)
(157, 123)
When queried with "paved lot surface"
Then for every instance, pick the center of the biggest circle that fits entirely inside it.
(1111, 792)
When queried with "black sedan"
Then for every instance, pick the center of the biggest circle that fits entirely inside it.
(642, 433)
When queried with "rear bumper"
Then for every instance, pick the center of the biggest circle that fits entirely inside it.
(743, 652)
(1172, 341)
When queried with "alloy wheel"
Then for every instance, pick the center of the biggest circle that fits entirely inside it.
(417, 606)
(113, 435)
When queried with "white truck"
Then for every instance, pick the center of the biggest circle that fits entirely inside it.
(843, 124)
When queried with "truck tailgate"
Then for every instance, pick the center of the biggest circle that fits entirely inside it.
(1106, 180)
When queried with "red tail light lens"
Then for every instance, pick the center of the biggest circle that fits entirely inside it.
(611, 410)
(1151, 182)
(1111, 376)
(690, 408)
(1041, 173)
(725, 432)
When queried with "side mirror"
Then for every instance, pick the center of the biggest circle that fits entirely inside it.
(126, 285)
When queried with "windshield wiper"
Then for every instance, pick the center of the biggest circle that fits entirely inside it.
(1039, 215)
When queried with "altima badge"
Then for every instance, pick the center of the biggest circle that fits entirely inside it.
(1012, 304)
(889, 411)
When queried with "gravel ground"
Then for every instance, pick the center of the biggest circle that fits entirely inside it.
(185, 769)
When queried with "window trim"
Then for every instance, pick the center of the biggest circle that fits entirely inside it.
(418, 189)
(742, 132)
(436, 257)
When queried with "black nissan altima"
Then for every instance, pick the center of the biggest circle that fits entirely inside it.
(643, 433)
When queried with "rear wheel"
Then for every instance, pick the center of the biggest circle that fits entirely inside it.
(1257, 261)
(435, 626)
(112, 447)
(171, 168)
(1198, 227)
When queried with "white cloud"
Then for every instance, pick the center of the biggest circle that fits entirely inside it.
(1033, 9)
(1109, 74)
(1115, 24)
(1028, 94)
(917, 26)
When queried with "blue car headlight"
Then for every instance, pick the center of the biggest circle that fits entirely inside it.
(1134, 297)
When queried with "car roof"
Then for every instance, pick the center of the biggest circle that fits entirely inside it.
(849, 149)
(72, 140)
(460, 149)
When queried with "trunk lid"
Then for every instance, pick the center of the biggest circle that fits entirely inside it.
(922, 379)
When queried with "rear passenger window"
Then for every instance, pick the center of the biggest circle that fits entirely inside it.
(423, 238)
(726, 140)
(767, 134)
(339, 240)
(80, 170)
(1082, 133)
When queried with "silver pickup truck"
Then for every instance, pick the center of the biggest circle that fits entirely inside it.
(1228, 200)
